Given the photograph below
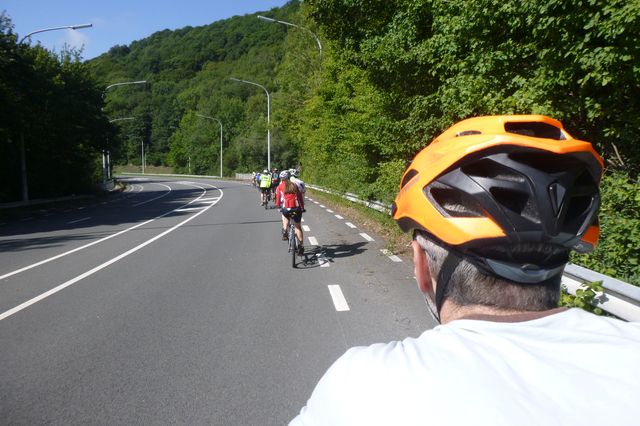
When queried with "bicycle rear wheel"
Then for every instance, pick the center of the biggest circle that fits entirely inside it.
(293, 244)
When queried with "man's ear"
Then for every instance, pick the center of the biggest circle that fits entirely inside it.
(421, 269)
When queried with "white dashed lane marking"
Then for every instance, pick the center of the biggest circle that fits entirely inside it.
(339, 301)
(305, 228)
(350, 225)
(366, 237)
(313, 241)
(390, 255)
(329, 211)
(339, 217)
(78, 220)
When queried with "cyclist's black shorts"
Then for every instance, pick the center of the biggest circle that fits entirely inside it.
(295, 213)
(265, 190)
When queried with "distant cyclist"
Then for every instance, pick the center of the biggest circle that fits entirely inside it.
(291, 201)
(265, 186)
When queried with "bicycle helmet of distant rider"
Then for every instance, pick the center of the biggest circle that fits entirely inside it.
(488, 184)
(285, 174)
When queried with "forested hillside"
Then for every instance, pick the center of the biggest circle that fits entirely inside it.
(188, 73)
(392, 74)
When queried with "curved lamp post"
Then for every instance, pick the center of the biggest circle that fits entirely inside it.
(268, 117)
(104, 93)
(106, 165)
(264, 18)
(220, 123)
(23, 159)
(64, 27)
(123, 84)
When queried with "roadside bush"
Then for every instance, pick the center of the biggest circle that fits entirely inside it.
(618, 251)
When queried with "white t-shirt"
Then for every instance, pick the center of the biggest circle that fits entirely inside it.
(569, 368)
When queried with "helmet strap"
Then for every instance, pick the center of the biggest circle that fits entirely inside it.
(449, 265)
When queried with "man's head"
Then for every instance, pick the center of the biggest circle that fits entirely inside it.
(496, 204)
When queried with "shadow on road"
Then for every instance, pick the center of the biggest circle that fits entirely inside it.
(316, 256)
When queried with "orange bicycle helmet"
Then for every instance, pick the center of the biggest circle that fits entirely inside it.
(488, 184)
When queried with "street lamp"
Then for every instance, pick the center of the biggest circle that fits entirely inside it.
(264, 18)
(64, 27)
(104, 93)
(106, 165)
(121, 119)
(23, 159)
(268, 117)
(220, 123)
(123, 84)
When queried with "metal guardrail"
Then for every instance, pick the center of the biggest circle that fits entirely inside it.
(619, 298)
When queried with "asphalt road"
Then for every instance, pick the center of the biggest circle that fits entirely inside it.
(174, 302)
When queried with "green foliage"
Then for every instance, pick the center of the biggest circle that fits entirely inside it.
(430, 63)
(188, 72)
(439, 61)
(585, 298)
(49, 104)
(618, 251)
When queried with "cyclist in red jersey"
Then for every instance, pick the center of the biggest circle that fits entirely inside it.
(291, 203)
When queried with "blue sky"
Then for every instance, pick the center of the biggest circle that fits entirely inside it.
(118, 21)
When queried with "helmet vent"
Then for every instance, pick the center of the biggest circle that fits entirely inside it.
(517, 202)
(492, 170)
(407, 177)
(535, 129)
(468, 133)
(452, 202)
(544, 162)
(577, 209)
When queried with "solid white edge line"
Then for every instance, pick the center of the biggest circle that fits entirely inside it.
(339, 301)
(42, 262)
(153, 199)
(96, 269)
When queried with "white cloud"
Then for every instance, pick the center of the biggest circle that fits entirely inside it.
(77, 39)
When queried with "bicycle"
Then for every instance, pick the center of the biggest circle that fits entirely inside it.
(267, 198)
(294, 243)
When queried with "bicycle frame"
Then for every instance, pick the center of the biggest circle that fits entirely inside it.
(293, 239)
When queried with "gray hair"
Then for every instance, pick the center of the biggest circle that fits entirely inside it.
(469, 286)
